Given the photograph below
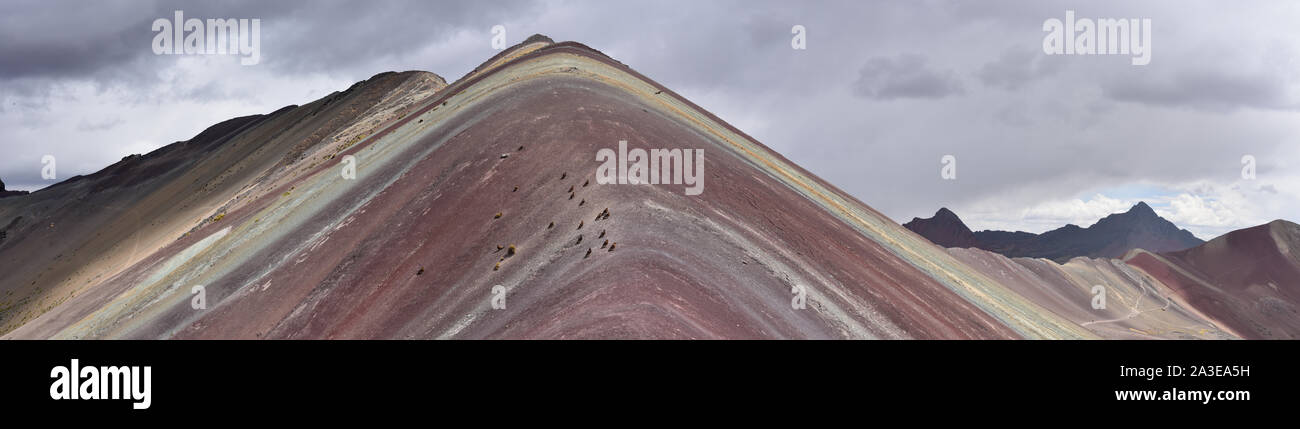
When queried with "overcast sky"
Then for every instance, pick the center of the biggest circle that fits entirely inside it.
(883, 91)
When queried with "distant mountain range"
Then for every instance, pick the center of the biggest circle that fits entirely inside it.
(1111, 237)
(1243, 284)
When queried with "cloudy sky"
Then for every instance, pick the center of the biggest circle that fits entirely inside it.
(881, 93)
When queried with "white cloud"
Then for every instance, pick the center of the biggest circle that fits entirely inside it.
(1207, 209)
(1044, 216)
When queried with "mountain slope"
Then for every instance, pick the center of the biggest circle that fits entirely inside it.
(1248, 280)
(409, 249)
(68, 244)
(1136, 306)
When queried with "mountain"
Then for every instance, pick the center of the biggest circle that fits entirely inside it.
(406, 207)
(475, 212)
(1244, 284)
(944, 229)
(1137, 305)
(1248, 280)
(1111, 237)
(74, 244)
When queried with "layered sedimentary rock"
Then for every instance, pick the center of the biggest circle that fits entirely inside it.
(1106, 296)
(71, 243)
(1248, 280)
(409, 248)
(408, 208)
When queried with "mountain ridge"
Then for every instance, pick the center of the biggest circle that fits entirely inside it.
(1248, 280)
(406, 207)
(410, 247)
(1110, 237)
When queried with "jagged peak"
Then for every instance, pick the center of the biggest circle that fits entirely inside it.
(1140, 213)
(1142, 208)
(943, 214)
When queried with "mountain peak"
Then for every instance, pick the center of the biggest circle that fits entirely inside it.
(1111, 237)
(1143, 209)
(1139, 214)
(944, 229)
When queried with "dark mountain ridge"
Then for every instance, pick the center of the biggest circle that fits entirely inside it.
(1111, 237)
